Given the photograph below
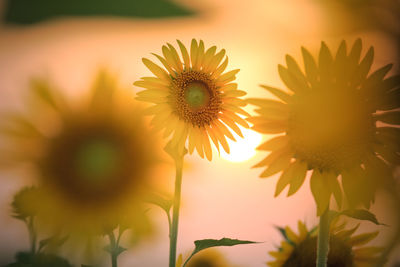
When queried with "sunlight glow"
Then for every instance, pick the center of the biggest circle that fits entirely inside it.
(244, 148)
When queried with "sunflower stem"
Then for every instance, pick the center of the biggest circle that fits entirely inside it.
(32, 235)
(323, 239)
(175, 213)
(113, 252)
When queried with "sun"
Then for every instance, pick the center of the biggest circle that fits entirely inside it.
(244, 148)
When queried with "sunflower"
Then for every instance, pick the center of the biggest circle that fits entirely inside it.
(208, 258)
(93, 157)
(193, 99)
(337, 121)
(346, 249)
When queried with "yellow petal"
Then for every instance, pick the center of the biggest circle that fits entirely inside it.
(208, 56)
(178, 133)
(194, 53)
(155, 69)
(271, 127)
(227, 77)
(151, 85)
(335, 187)
(185, 55)
(165, 64)
(198, 141)
(217, 72)
(200, 55)
(303, 232)
(278, 164)
(362, 239)
(234, 93)
(285, 178)
(229, 87)
(291, 235)
(207, 145)
(278, 93)
(192, 143)
(153, 93)
(236, 118)
(176, 58)
(234, 108)
(221, 139)
(223, 129)
(275, 143)
(215, 61)
(228, 121)
(299, 174)
(170, 126)
(213, 137)
(158, 108)
(320, 190)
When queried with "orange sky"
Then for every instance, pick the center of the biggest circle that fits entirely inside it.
(220, 198)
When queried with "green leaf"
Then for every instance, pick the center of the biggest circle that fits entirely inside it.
(54, 242)
(28, 11)
(114, 250)
(364, 215)
(208, 243)
(160, 201)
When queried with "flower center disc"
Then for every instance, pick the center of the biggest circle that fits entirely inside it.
(197, 95)
(195, 98)
(330, 129)
(305, 254)
(97, 160)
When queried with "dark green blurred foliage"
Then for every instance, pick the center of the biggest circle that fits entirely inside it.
(26, 259)
(33, 11)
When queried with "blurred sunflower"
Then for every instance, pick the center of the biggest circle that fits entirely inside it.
(345, 249)
(93, 157)
(208, 258)
(336, 121)
(194, 99)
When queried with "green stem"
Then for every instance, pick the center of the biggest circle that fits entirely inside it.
(395, 237)
(113, 246)
(32, 235)
(114, 262)
(175, 214)
(323, 239)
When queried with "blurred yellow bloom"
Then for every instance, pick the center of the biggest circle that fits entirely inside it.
(93, 157)
(332, 124)
(207, 258)
(345, 249)
(193, 99)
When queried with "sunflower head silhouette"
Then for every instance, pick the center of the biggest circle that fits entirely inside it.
(338, 120)
(93, 157)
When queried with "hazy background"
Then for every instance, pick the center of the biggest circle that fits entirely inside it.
(220, 198)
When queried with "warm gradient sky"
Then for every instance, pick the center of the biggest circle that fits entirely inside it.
(220, 198)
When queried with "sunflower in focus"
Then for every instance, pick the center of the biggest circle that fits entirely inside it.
(338, 120)
(193, 98)
(345, 249)
(93, 157)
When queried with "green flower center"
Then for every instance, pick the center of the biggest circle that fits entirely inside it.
(96, 160)
(197, 95)
(195, 98)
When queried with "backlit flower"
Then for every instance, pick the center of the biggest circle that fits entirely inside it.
(337, 121)
(92, 157)
(345, 249)
(193, 98)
